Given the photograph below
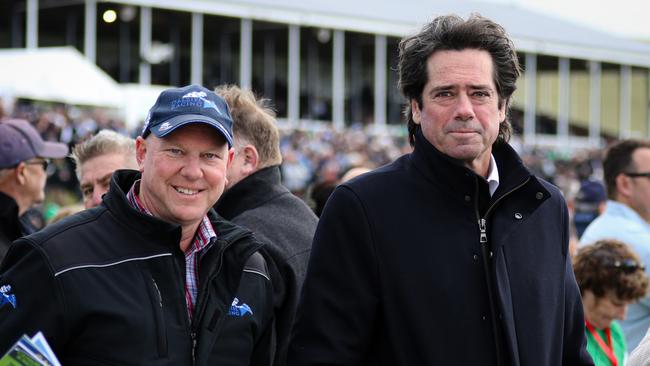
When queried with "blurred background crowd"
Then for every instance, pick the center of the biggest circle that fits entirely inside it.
(314, 159)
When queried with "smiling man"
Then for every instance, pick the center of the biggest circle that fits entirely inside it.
(454, 254)
(152, 276)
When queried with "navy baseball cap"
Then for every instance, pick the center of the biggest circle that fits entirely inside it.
(19, 141)
(178, 107)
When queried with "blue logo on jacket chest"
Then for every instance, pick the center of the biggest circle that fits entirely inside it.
(239, 310)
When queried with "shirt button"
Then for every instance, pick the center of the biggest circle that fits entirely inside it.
(468, 198)
(518, 216)
(539, 195)
(484, 317)
(475, 256)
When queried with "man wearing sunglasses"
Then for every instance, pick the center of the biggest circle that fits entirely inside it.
(23, 161)
(627, 218)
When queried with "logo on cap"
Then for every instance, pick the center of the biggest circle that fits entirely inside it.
(165, 126)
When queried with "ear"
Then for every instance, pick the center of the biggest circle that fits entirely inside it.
(623, 186)
(415, 111)
(140, 152)
(251, 159)
(20, 173)
(231, 156)
(502, 112)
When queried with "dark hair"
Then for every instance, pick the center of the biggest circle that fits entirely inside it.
(451, 32)
(618, 159)
(610, 265)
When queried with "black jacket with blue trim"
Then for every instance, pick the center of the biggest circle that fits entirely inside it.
(106, 287)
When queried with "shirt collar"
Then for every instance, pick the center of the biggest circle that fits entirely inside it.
(204, 233)
(493, 175)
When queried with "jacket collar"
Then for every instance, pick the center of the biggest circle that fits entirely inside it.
(450, 174)
(152, 227)
(251, 192)
(9, 223)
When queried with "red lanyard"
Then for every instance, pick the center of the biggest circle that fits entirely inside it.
(607, 348)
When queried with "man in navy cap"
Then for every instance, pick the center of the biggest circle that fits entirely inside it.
(23, 161)
(151, 276)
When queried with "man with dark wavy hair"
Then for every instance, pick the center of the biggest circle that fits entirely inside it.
(455, 254)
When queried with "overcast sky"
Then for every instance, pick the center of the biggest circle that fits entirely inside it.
(629, 18)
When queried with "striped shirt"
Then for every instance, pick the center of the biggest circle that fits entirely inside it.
(204, 239)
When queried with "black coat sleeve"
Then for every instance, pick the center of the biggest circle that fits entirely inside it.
(30, 297)
(335, 318)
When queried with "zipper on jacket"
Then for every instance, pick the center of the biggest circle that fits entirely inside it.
(486, 255)
(157, 303)
(201, 302)
(482, 228)
(193, 336)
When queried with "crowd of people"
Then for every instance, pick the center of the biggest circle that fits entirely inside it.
(209, 235)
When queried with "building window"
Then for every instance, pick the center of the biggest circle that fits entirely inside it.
(359, 78)
(12, 23)
(220, 50)
(316, 74)
(610, 99)
(61, 26)
(170, 54)
(580, 85)
(118, 42)
(270, 66)
(547, 95)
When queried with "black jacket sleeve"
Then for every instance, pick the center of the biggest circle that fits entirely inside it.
(335, 318)
(30, 297)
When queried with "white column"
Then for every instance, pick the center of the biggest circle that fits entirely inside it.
(594, 102)
(338, 79)
(380, 80)
(531, 99)
(32, 24)
(564, 101)
(145, 44)
(196, 69)
(647, 106)
(625, 129)
(90, 30)
(293, 99)
(246, 52)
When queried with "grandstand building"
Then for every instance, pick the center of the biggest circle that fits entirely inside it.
(333, 62)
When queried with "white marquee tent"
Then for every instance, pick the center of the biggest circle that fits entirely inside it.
(57, 74)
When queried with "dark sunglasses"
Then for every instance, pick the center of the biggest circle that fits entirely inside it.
(626, 265)
(44, 163)
(637, 175)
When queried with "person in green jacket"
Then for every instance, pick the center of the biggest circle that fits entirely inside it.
(610, 276)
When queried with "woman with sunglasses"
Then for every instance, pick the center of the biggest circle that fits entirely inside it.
(610, 277)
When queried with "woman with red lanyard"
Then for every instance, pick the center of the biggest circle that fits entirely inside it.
(610, 277)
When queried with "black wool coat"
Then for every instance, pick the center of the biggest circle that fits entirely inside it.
(397, 275)
(286, 224)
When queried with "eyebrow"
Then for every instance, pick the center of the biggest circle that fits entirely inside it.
(101, 179)
(451, 86)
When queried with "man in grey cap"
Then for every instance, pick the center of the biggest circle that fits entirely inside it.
(23, 160)
(151, 276)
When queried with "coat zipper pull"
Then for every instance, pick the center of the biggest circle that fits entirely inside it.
(483, 229)
(193, 335)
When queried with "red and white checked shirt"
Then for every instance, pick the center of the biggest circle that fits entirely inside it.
(201, 242)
